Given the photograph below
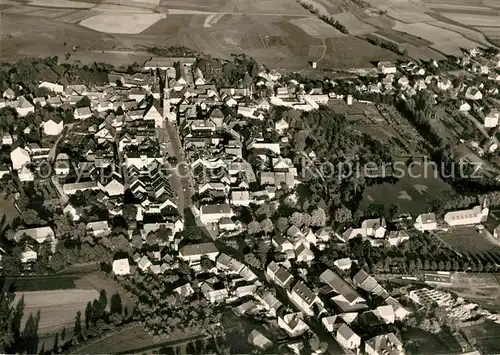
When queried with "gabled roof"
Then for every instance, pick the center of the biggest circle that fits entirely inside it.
(346, 332)
(198, 249)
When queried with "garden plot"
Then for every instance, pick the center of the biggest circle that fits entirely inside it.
(353, 24)
(62, 4)
(315, 27)
(121, 23)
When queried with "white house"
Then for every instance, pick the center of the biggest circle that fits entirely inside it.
(375, 228)
(19, 157)
(40, 234)
(491, 119)
(303, 297)
(53, 126)
(70, 210)
(154, 115)
(98, 229)
(24, 107)
(214, 213)
(57, 88)
(347, 338)
(464, 106)
(25, 174)
(387, 67)
(281, 126)
(293, 324)
(82, 113)
(194, 252)
(473, 93)
(279, 275)
(121, 267)
(426, 222)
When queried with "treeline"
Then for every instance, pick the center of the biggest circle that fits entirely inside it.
(422, 252)
(23, 76)
(324, 17)
(389, 45)
(13, 339)
(239, 72)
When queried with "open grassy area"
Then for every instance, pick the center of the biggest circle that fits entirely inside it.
(413, 192)
(41, 283)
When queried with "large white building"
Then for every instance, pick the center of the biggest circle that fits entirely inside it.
(475, 215)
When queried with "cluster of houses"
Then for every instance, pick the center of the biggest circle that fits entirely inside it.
(337, 305)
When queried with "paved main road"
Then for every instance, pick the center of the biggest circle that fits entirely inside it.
(181, 174)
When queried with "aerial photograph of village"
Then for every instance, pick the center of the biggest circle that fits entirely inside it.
(250, 177)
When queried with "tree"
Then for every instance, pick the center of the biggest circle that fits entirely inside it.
(282, 224)
(296, 219)
(318, 217)
(103, 300)
(77, 329)
(30, 217)
(129, 212)
(342, 215)
(84, 102)
(254, 227)
(116, 305)
(393, 211)
(206, 263)
(88, 314)
(267, 226)
(252, 260)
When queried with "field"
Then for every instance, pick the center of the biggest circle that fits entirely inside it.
(60, 297)
(277, 33)
(121, 23)
(58, 308)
